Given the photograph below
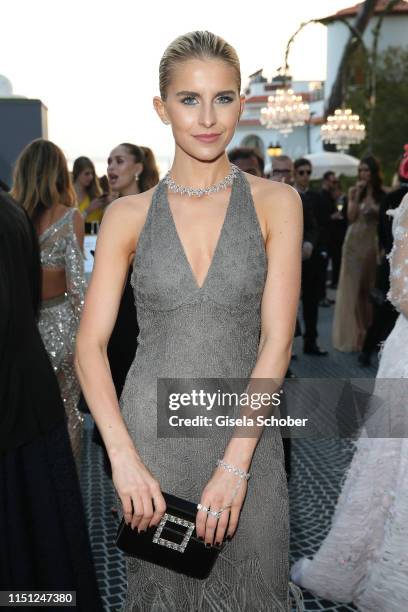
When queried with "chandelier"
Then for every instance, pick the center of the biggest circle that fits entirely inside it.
(285, 111)
(343, 129)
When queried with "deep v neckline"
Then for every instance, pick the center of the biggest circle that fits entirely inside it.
(217, 246)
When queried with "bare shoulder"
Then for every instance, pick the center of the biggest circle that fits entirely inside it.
(129, 208)
(77, 219)
(126, 216)
(275, 203)
(267, 193)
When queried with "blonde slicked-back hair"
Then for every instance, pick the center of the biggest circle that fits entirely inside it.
(41, 178)
(196, 45)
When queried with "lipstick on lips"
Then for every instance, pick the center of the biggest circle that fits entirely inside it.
(207, 138)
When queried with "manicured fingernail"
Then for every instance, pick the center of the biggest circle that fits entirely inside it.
(207, 545)
(201, 539)
(218, 544)
(228, 538)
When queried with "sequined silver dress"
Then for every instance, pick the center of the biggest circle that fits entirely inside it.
(59, 317)
(364, 557)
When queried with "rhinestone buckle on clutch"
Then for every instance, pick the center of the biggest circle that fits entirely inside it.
(191, 191)
(168, 543)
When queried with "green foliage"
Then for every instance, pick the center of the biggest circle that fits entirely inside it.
(390, 117)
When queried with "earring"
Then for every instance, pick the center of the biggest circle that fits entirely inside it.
(166, 122)
(136, 177)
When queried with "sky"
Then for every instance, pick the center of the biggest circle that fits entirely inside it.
(94, 63)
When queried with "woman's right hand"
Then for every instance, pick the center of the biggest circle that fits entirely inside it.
(356, 190)
(95, 205)
(142, 500)
(352, 192)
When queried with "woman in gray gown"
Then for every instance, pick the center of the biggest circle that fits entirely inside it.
(216, 275)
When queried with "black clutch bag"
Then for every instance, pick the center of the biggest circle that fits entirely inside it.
(173, 543)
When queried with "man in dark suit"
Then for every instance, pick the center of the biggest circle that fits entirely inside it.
(282, 172)
(338, 229)
(326, 213)
(313, 256)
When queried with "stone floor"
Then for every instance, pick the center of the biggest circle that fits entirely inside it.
(318, 467)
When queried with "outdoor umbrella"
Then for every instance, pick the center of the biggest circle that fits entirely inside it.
(340, 163)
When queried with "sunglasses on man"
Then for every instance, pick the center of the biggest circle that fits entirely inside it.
(280, 171)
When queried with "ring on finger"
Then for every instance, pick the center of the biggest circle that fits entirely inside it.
(203, 508)
(215, 513)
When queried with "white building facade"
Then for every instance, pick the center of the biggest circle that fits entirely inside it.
(393, 33)
(302, 140)
(306, 139)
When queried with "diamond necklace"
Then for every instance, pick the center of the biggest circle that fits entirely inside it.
(191, 191)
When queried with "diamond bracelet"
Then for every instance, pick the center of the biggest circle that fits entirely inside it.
(233, 469)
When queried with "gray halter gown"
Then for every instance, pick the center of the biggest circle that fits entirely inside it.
(208, 331)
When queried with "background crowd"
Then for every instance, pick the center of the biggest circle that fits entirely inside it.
(347, 238)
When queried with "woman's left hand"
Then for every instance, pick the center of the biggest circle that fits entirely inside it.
(221, 492)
